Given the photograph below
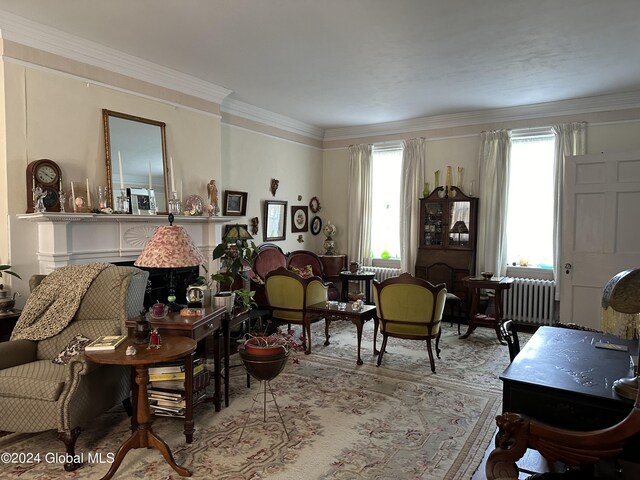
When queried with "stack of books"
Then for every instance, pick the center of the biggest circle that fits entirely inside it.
(166, 388)
(171, 376)
(171, 404)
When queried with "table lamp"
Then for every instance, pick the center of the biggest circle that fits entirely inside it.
(170, 247)
(621, 317)
(459, 227)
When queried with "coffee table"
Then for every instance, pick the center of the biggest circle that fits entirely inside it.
(172, 348)
(331, 312)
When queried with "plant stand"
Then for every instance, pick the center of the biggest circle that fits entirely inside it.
(264, 368)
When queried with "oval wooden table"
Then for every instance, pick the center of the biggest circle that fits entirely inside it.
(172, 348)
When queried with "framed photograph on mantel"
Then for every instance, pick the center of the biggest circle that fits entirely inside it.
(299, 219)
(235, 203)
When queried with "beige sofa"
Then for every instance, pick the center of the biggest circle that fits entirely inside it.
(38, 395)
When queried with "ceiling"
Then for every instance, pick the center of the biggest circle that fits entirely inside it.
(342, 63)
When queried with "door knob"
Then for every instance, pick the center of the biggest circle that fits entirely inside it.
(567, 268)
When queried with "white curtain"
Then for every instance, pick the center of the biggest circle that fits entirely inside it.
(494, 190)
(359, 214)
(413, 158)
(571, 139)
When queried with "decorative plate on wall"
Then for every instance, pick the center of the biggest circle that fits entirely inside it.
(299, 219)
(316, 225)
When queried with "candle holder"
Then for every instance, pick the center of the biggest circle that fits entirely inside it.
(102, 197)
(123, 202)
(175, 205)
(63, 199)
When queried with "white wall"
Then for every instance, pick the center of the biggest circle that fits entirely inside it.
(250, 160)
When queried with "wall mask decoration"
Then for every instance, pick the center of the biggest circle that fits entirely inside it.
(275, 183)
(254, 225)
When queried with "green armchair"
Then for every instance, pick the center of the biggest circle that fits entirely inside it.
(37, 394)
(289, 295)
(410, 307)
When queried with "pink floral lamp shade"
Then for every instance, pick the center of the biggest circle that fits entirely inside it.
(170, 247)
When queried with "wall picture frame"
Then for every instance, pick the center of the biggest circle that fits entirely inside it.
(141, 201)
(275, 220)
(235, 203)
(316, 225)
(299, 218)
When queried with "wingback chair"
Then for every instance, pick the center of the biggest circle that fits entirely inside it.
(411, 308)
(268, 258)
(289, 295)
(37, 394)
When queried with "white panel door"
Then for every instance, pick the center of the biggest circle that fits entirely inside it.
(600, 230)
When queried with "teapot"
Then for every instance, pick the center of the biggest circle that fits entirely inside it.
(7, 302)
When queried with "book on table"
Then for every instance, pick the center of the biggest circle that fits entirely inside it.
(159, 377)
(173, 367)
(105, 342)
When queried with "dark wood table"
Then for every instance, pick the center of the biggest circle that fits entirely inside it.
(331, 312)
(365, 277)
(494, 320)
(172, 348)
(561, 378)
(7, 322)
(198, 328)
(229, 321)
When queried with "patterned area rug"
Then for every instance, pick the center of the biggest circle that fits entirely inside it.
(347, 422)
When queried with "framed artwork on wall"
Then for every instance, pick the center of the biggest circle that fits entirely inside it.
(299, 219)
(316, 225)
(235, 203)
(275, 220)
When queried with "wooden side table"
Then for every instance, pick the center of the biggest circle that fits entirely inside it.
(498, 285)
(366, 277)
(198, 328)
(7, 322)
(172, 348)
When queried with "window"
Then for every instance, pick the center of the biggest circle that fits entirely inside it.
(386, 169)
(530, 202)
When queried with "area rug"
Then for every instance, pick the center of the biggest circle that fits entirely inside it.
(348, 422)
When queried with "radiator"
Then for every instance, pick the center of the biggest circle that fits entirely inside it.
(530, 301)
(382, 273)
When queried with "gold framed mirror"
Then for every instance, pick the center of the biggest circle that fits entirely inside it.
(136, 156)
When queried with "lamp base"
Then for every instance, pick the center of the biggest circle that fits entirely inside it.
(626, 387)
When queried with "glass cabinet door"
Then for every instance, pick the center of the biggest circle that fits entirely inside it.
(458, 225)
(433, 224)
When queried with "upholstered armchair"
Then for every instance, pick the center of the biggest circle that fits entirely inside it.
(302, 260)
(289, 295)
(411, 308)
(37, 394)
(268, 258)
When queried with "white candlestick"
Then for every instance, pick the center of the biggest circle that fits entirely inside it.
(173, 177)
(88, 194)
(150, 182)
(180, 197)
(120, 167)
(73, 196)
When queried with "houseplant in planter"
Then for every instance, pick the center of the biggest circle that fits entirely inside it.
(235, 249)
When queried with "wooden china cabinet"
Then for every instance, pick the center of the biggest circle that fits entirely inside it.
(447, 243)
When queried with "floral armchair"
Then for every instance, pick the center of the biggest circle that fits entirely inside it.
(37, 394)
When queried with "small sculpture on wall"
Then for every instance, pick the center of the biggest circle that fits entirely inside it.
(254, 225)
(212, 190)
(300, 238)
(275, 183)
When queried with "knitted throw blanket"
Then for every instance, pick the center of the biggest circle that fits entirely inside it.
(53, 303)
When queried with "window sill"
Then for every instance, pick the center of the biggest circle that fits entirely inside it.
(530, 272)
(389, 263)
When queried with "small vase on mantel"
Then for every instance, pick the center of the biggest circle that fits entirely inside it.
(460, 172)
(426, 190)
(437, 179)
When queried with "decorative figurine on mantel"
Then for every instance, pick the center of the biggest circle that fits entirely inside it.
(212, 190)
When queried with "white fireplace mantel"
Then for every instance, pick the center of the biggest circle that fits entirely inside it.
(76, 238)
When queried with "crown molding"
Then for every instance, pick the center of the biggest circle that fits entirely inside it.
(260, 115)
(576, 106)
(20, 30)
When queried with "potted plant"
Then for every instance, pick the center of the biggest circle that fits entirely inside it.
(264, 356)
(234, 250)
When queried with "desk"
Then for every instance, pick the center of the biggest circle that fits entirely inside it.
(173, 348)
(331, 312)
(366, 277)
(561, 378)
(230, 320)
(198, 328)
(498, 285)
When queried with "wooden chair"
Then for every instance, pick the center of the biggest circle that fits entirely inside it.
(289, 295)
(442, 273)
(410, 307)
(510, 335)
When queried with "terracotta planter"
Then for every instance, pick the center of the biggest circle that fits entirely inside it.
(262, 366)
(256, 346)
